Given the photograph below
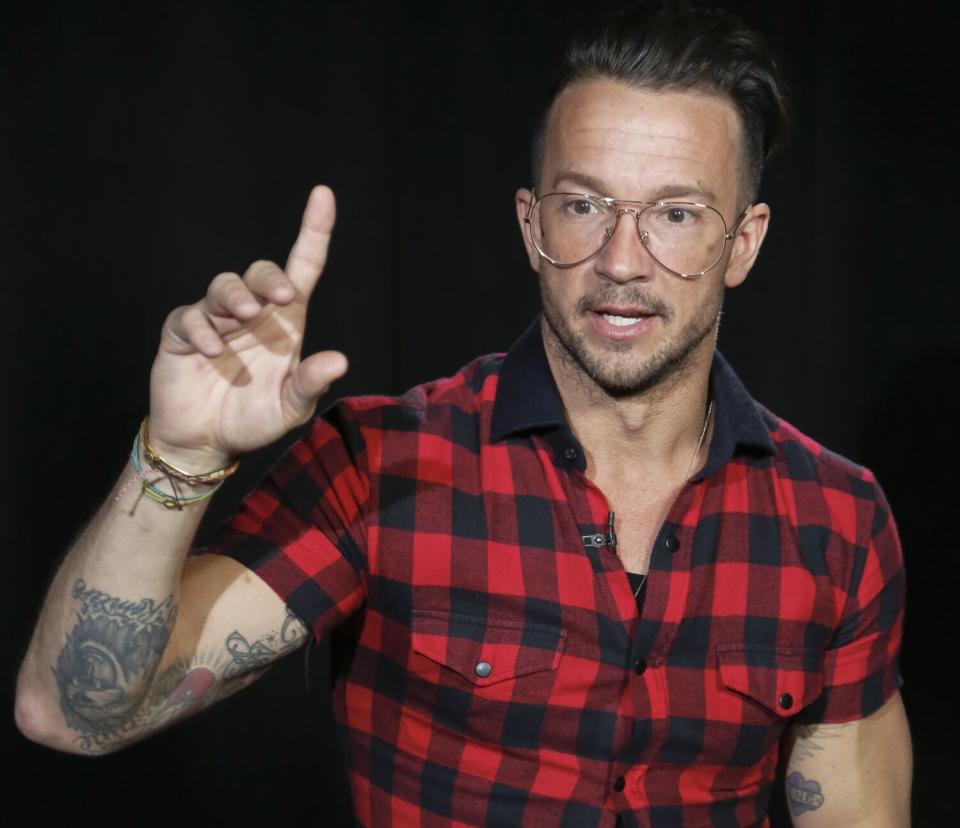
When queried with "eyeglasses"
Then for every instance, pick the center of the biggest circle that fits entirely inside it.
(686, 238)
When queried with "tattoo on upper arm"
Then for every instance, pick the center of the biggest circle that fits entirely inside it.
(802, 794)
(108, 692)
(808, 740)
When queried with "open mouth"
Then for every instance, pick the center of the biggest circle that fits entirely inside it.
(618, 322)
(624, 321)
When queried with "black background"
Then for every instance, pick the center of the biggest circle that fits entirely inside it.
(148, 147)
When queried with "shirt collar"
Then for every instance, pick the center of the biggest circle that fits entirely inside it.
(528, 401)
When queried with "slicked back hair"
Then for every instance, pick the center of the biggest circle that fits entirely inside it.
(670, 46)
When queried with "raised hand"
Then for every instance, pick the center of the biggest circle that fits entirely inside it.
(228, 376)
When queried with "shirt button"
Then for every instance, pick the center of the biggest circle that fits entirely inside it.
(671, 543)
(570, 454)
(483, 669)
(640, 666)
(786, 701)
(619, 784)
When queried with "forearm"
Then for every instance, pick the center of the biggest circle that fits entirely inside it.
(107, 659)
(106, 621)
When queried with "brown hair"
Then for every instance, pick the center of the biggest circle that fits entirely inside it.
(681, 45)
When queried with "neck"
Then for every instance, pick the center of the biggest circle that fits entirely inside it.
(657, 428)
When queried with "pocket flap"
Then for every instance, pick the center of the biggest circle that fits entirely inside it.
(486, 651)
(784, 680)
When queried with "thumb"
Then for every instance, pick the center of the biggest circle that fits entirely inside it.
(309, 380)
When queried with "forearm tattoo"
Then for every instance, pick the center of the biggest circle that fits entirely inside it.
(246, 656)
(108, 692)
(108, 656)
(802, 794)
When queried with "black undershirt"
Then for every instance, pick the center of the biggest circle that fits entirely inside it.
(638, 580)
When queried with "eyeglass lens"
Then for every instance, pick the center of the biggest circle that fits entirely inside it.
(686, 238)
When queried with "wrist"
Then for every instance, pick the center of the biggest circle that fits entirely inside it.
(184, 461)
(192, 461)
(179, 478)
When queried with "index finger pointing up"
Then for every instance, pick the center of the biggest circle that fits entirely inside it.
(309, 252)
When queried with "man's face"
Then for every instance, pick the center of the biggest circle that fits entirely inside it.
(621, 318)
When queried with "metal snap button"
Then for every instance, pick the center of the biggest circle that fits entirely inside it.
(786, 701)
(483, 669)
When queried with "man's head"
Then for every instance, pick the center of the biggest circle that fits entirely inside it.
(680, 46)
(665, 104)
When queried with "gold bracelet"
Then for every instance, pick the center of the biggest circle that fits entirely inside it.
(155, 460)
(172, 500)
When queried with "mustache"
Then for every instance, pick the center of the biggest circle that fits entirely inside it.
(634, 295)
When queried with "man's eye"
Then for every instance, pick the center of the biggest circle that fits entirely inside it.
(581, 207)
(677, 215)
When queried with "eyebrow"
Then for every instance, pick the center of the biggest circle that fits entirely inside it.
(666, 192)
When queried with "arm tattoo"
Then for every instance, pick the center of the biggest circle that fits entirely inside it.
(808, 739)
(246, 656)
(104, 672)
(108, 657)
(802, 794)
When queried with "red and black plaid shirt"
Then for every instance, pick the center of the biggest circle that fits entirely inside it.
(498, 671)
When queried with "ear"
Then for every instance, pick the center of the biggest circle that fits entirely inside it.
(524, 201)
(746, 244)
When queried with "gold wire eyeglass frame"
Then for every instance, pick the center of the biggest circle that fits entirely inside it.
(616, 204)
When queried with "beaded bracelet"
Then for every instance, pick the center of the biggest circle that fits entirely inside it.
(171, 501)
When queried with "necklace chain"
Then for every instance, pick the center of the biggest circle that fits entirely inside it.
(693, 462)
(643, 580)
(696, 453)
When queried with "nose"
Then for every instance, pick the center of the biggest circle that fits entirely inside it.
(625, 256)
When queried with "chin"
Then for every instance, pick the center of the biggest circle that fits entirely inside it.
(637, 377)
(618, 369)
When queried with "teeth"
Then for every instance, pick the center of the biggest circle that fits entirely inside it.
(622, 321)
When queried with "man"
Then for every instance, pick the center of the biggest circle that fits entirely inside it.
(591, 581)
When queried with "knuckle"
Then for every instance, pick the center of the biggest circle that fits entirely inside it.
(182, 319)
(193, 317)
(175, 316)
(221, 285)
(303, 253)
(221, 279)
(260, 269)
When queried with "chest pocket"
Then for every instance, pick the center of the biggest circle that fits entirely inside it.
(486, 681)
(484, 652)
(757, 690)
(778, 681)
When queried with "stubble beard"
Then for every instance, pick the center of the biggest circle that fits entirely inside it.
(612, 370)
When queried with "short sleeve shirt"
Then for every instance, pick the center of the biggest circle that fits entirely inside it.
(497, 669)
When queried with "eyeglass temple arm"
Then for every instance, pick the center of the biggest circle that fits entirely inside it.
(736, 227)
